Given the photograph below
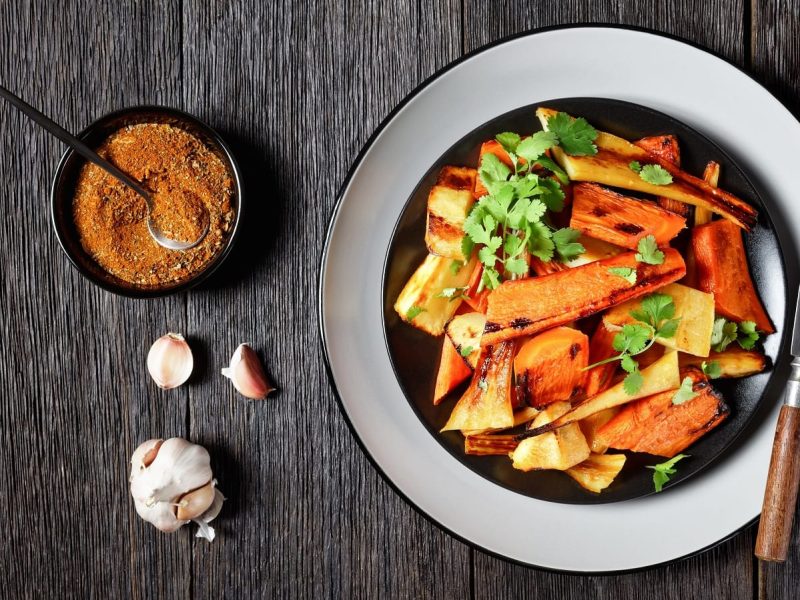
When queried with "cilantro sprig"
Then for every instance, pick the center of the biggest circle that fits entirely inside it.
(654, 319)
(664, 471)
(685, 392)
(726, 332)
(648, 251)
(512, 217)
(651, 173)
(575, 136)
(414, 312)
(712, 370)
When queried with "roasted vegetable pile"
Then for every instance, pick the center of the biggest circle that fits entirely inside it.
(580, 321)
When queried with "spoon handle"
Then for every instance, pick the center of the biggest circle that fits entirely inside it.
(73, 142)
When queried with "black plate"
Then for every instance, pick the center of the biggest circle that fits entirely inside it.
(415, 355)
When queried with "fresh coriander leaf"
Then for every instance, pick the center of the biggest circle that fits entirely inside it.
(713, 370)
(668, 328)
(517, 266)
(655, 174)
(535, 211)
(575, 136)
(685, 392)
(549, 164)
(531, 148)
(513, 244)
(654, 309)
(566, 245)
(628, 364)
(635, 337)
(552, 194)
(414, 312)
(748, 335)
(467, 246)
(527, 186)
(516, 216)
(625, 272)
(457, 265)
(492, 172)
(633, 382)
(648, 251)
(466, 351)
(723, 334)
(490, 277)
(664, 470)
(487, 256)
(498, 203)
(508, 140)
(635, 166)
(540, 243)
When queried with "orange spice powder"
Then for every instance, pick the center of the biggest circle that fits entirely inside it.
(191, 187)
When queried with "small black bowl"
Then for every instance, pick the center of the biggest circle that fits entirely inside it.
(66, 177)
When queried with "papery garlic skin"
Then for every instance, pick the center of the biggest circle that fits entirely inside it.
(247, 374)
(178, 478)
(170, 361)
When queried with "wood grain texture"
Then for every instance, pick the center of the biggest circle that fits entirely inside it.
(780, 497)
(775, 57)
(297, 87)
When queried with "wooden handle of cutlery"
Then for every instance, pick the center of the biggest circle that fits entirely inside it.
(780, 496)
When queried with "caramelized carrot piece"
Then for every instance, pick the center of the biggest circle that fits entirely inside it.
(657, 426)
(666, 147)
(550, 366)
(528, 306)
(600, 378)
(663, 146)
(477, 300)
(453, 370)
(701, 217)
(546, 268)
(722, 270)
(600, 213)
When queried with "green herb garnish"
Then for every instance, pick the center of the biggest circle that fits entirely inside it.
(726, 332)
(712, 369)
(685, 392)
(575, 136)
(414, 312)
(665, 470)
(466, 351)
(655, 174)
(648, 251)
(625, 272)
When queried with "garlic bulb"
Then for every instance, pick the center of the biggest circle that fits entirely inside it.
(172, 483)
(247, 374)
(170, 361)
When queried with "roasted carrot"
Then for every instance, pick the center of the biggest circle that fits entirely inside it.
(663, 146)
(477, 300)
(667, 148)
(550, 366)
(611, 166)
(453, 370)
(701, 217)
(600, 378)
(657, 426)
(487, 402)
(546, 268)
(528, 306)
(722, 270)
(600, 213)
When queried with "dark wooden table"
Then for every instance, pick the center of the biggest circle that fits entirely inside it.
(297, 87)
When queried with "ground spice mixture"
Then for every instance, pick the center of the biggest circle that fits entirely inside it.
(190, 186)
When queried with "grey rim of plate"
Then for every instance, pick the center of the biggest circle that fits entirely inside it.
(581, 62)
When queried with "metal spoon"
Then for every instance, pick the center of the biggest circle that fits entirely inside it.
(89, 154)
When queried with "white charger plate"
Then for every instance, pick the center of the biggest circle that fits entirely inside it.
(688, 83)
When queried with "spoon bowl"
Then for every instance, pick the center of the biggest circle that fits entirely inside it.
(66, 177)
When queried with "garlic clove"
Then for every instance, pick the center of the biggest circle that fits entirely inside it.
(196, 502)
(170, 361)
(247, 374)
(204, 530)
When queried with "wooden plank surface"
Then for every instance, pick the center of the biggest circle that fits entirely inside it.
(297, 87)
(775, 47)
